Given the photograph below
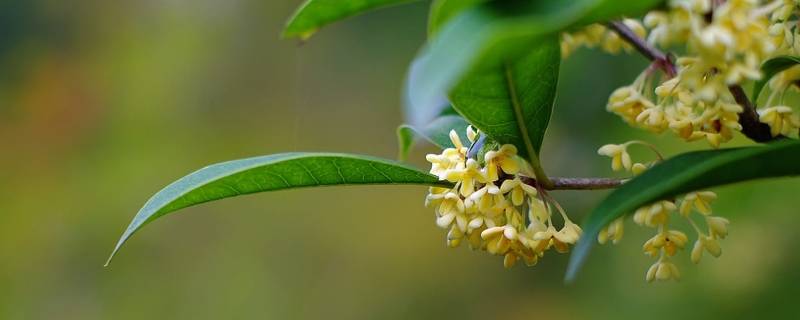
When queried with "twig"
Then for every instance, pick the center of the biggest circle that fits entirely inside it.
(577, 183)
(660, 59)
(748, 118)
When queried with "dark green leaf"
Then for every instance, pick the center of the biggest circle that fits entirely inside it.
(683, 174)
(511, 103)
(498, 31)
(269, 173)
(770, 68)
(314, 14)
(437, 132)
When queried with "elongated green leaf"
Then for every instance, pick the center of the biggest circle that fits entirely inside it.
(498, 31)
(269, 173)
(314, 14)
(686, 173)
(436, 132)
(512, 102)
(772, 67)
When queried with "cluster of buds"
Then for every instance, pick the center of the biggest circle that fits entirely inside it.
(725, 44)
(494, 205)
(597, 35)
(667, 242)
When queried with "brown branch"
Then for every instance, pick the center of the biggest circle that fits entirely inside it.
(751, 126)
(660, 59)
(577, 183)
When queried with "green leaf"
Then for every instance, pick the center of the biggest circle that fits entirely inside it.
(314, 14)
(270, 173)
(683, 174)
(511, 103)
(437, 132)
(444, 10)
(770, 68)
(498, 31)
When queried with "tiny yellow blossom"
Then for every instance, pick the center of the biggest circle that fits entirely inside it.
(781, 119)
(466, 175)
(700, 201)
(638, 168)
(619, 156)
(472, 134)
(663, 270)
(613, 232)
(518, 190)
(505, 158)
(655, 214)
(718, 226)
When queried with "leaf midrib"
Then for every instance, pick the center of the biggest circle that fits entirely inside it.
(520, 117)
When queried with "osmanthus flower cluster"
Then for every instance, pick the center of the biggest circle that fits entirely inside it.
(489, 196)
(720, 44)
(667, 242)
(492, 205)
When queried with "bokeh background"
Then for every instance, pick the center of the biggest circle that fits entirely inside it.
(102, 103)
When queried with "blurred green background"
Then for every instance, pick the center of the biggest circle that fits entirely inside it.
(102, 103)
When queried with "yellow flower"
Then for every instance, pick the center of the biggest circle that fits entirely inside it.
(472, 133)
(454, 236)
(613, 232)
(451, 211)
(717, 226)
(670, 241)
(505, 158)
(518, 190)
(781, 119)
(618, 154)
(483, 197)
(538, 210)
(435, 196)
(663, 270)
(498, 239)
(699, 201)
(628, 103)
(705, 243)
(561, 239)
(638, 168)
(655, 214)
(466, 175)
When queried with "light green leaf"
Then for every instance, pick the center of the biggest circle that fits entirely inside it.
(314, 14)
(270, 173)
(683, 174)
(511, 103)
(443, 10)
(437, 132)
(498, 31)
(770, 68)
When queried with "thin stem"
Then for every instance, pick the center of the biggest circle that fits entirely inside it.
(660, 59)
(576, 183)
(748, 118)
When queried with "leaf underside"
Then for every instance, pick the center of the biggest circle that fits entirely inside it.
(437, 133)
(314, 14)
(497, 31)
(270, 173)
(683, 174)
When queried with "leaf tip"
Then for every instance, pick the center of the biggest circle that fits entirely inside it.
(577, 259)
